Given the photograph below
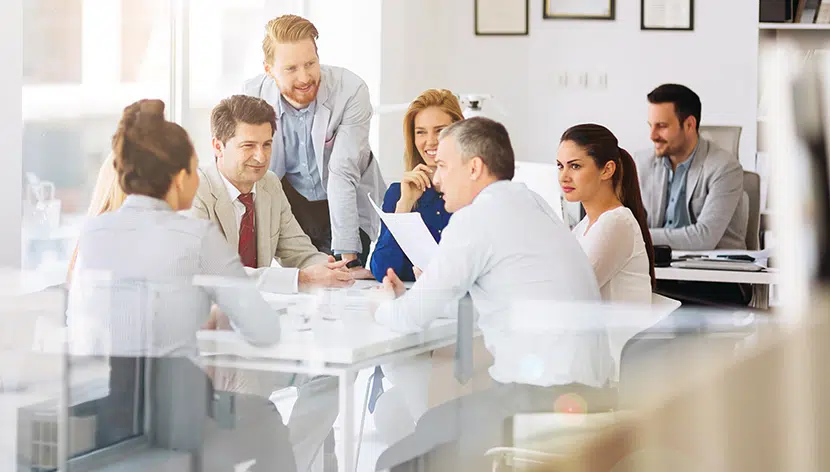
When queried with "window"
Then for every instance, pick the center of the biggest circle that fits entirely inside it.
(84, 61)
(225, 49)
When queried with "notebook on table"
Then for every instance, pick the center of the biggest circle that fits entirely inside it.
(717, 264)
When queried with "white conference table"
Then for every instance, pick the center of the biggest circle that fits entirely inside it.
(340, 345)
(760, 281)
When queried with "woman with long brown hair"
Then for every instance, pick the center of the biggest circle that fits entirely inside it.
(427, 115)
(594, 170)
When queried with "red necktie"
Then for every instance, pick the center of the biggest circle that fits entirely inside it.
(247, 232)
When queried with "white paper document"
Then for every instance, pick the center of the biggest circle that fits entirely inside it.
(412, 235)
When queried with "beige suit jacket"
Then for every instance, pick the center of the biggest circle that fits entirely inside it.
(278, 234)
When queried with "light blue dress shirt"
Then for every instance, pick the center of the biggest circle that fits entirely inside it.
(677, 211)
(300, 161)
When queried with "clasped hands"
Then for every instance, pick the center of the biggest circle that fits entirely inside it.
(333, 274)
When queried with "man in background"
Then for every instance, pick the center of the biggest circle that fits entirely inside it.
(692, 189)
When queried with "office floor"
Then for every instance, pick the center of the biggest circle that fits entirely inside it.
(373, 441)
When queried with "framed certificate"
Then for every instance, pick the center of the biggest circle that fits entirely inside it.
(501, 17)
(667, 15)
(579, 9)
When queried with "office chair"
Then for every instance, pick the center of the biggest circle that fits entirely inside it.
(727, 137)
(556, 432)
(752, 188)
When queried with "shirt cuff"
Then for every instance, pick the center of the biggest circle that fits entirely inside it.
(283, 280)
(338, 252)
(387, 316)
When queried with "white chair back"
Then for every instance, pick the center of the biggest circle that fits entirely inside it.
(726, 137)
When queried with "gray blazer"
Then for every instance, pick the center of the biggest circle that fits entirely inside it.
(135, 287)
(340, 137)
(714, 194)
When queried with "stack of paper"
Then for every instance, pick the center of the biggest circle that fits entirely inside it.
(412, 235)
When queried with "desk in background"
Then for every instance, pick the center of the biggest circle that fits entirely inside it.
(760, 281)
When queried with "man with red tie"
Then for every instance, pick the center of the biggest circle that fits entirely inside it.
(247, 201)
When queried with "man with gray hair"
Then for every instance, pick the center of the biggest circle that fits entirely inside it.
(504, 245)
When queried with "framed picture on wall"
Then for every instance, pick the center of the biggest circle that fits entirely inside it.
(579, 9)
(502, 17)
(667, 15)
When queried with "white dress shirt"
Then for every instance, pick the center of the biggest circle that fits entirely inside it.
(234, 193)
(509, 247)
(615, 247)
(271, 279)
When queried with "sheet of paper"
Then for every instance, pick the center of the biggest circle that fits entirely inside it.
(412, 235)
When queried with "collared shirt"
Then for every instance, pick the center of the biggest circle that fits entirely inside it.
(145, 280)
(677, 210)
(274, 278)
(387, 252)
(300, 161)
(508, 247)
(234, 193)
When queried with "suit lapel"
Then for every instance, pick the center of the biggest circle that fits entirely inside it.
(321, 122)
(223, 207)
(271, 94)
(659, 190)
(696, 170)
(262, 212)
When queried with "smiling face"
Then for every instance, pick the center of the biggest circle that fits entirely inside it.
(579, 176)
(428, 125)
(296, 71)
(244, 158)
(669, 135)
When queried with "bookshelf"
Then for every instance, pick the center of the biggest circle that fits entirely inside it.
(782, 50)
(794, 26)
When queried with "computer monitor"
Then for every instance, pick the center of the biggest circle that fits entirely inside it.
(542, 178)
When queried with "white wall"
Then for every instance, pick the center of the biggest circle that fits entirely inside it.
(430, 43)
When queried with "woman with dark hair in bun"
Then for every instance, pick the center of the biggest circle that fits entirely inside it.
(595, 171)
(144, 282)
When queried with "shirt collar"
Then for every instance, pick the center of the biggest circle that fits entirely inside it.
(145, 203)
(494, 187)
(685, 164)
(234, 192)
(285, 107)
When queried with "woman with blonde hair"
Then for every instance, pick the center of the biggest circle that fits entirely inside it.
(427, 115)
(106, 196)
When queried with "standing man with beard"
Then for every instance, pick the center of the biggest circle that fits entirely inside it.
(321, 147)
(692, 190)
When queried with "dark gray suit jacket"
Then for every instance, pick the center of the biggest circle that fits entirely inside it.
(718, 209)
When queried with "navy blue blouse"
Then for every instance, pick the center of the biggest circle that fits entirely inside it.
(387, 251)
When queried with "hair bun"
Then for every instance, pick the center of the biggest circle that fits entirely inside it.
(152, 108)
(142, 113)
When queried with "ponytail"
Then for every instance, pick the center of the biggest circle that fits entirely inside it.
(628, 191)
